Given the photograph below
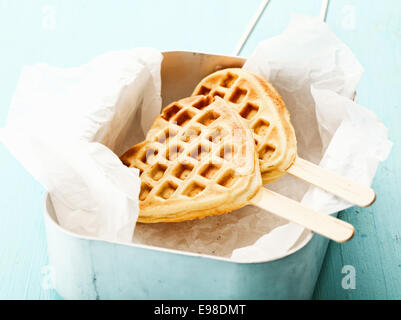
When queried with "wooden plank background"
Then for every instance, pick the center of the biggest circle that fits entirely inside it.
(70, 33)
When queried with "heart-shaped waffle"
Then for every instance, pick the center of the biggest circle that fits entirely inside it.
(264, 111)
(260, 105)
(198, 159)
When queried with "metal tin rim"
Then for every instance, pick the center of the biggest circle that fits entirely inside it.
(48, 216)
(201, 52)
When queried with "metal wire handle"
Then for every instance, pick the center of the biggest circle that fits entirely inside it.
(324, 9)
(258, 14)
(250, 27)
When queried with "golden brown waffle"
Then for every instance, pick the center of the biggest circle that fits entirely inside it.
(198, 159)
(260, 105)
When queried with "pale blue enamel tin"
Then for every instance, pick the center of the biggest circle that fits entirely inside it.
(87, 268)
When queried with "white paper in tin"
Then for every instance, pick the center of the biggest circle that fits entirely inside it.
(317, 76)
(62, 124)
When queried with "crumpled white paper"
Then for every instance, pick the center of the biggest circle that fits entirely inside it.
(317, 76)
(63, 124)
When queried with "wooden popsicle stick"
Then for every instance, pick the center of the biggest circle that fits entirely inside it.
(323, 224)
(342, 187)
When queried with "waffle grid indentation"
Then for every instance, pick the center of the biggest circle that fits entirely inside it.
(186, 158)
(239, 93)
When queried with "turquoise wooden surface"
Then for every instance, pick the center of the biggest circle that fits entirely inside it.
(69, 33)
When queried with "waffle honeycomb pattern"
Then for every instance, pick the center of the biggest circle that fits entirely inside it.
(198, 159)
(259, 104)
